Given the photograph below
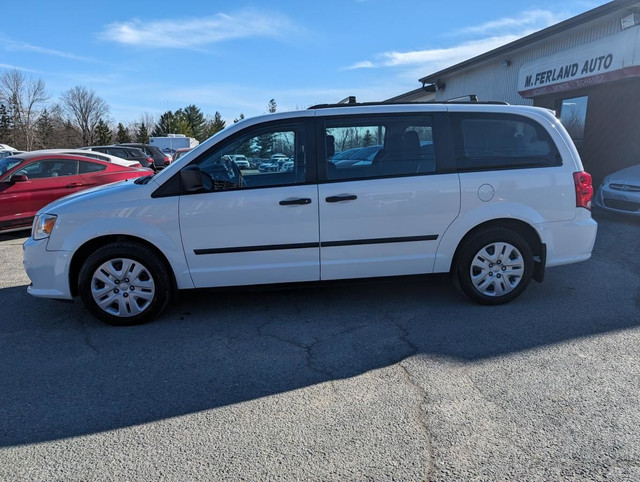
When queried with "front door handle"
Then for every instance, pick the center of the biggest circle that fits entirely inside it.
(298, 200)
(342, 197)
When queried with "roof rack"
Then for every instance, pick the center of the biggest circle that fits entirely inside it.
(472, 100)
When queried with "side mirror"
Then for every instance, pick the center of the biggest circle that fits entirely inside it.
(191, 179)
(18, 178)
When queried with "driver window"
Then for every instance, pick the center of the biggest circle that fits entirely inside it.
(261, 158)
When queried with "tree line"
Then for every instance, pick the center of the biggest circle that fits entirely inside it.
(29, 120)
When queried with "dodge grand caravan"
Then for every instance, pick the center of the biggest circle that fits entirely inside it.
(492, 194)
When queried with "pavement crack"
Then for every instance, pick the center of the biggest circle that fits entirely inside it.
(308, 349)
(421, 419)
(420, 414)
(87, 338)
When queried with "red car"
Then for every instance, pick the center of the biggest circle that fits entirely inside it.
(30, 181)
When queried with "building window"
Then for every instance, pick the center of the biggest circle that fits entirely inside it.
(573, 115)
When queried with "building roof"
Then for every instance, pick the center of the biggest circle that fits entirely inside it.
(581, 19)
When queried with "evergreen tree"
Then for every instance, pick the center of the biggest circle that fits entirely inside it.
(45, 130)
(196, 121)
(367, 140)
(272, 106)
(71, 137)
(5, 126)
(215, 125)
(173, 123)
(103, 133)
(142, 135)
(165, 125)
(122, 134)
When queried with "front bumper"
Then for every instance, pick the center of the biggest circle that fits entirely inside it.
(617, 200)
(47, 270)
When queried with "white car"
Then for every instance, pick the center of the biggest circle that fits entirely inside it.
(620, 191)
(95, 155)
(241, 161)
(500, 197)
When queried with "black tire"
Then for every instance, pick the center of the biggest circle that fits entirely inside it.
(141, 299)
(494, 266)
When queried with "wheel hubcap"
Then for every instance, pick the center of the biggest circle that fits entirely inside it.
(122, 287)
(497, 269)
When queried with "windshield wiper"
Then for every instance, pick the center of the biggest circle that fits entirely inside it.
(144, 180)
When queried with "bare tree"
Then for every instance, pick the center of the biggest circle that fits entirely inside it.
(24, 97)
(86, 109)
(148, 120)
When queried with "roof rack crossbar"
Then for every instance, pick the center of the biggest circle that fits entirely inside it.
(430, 102)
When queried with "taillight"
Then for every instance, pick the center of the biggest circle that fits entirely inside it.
(584, 189)
(150, 159)
(167, 160)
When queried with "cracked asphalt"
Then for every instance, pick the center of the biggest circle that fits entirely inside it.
(382, 380)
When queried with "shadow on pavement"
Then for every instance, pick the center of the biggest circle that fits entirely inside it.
(64, 374)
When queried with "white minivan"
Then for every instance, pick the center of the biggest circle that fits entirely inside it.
(492, 194)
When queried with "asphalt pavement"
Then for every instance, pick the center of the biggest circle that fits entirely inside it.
(383, 380)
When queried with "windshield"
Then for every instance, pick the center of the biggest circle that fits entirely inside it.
(8, 163)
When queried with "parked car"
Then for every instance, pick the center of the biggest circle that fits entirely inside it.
(266, 166)
(620, 191)
(33, 179)
(160, 159)
(241, 161)
(513, 201)
(93, 154)
(125, 152)
(362, 155)
(180, 152)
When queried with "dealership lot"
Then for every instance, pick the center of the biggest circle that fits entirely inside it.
(376, 380)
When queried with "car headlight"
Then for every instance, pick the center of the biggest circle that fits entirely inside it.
(43, 225)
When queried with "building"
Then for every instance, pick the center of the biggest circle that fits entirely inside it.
(586, 68)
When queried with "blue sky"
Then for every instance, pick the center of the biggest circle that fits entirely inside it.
(232, 57)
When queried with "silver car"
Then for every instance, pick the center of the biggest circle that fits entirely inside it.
(620, 191)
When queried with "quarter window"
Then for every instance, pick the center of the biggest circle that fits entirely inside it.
(501, 142)
(88, 167)
(358, 148)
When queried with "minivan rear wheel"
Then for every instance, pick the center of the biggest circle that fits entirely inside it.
(124, 284)
(494, 266)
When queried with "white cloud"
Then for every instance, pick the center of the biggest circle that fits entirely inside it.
(10, 45)
(529, 20)
(437, 57)
(15, 67)
(367, 64)
(196, 32)
(495, 34)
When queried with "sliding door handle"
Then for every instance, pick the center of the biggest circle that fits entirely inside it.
(298, 200)
(341, 197)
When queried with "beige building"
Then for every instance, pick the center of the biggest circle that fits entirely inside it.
(586, 68)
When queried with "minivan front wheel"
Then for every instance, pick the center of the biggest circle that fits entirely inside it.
(124, 284)
(494, 266)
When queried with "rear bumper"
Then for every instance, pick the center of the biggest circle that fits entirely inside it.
(47, 270)
(570, 241)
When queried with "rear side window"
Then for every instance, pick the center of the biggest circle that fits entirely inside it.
(121, 153)
(501, 141)
(88, 167)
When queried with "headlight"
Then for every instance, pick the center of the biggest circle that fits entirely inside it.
(43, 225)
